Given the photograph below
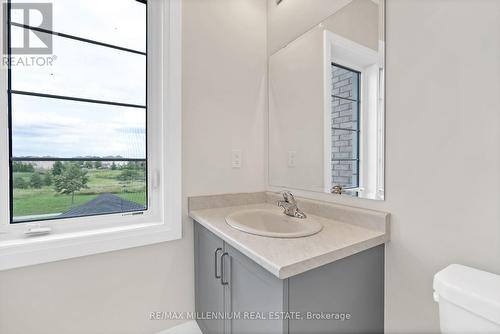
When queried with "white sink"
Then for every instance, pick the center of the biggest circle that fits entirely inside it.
(274, 224)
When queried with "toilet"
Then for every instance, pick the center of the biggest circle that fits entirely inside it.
(469, 300)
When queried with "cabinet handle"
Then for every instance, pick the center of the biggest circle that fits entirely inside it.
(222, 269)
(215, 257)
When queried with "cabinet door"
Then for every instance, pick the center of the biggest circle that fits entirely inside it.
(353, 285)
(251, 289)
(208, 288)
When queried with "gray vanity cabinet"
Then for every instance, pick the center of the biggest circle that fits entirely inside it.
(252, 292)
(228, 282)
(209, 292)
(353, 285)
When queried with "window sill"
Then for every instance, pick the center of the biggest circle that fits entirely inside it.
(16, 253)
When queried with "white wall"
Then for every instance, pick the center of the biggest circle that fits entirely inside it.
(224, 70)
(291, 18)
(296, 113)
(358, 22)
(225, 94)
(107, 293)
(443, 150)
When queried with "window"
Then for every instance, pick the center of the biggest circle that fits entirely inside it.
(78, 125)
(353, 113)
(345, 126)
(90, 121)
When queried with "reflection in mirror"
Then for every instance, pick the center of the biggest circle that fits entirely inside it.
(326, 105)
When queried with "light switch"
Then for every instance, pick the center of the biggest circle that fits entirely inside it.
(292, 157)
(236, 158)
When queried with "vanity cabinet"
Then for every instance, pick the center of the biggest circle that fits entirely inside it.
(235, 295)
(209, 292)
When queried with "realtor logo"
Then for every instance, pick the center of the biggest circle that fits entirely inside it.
(28, 23)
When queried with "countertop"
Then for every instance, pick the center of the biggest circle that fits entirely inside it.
(289, 257)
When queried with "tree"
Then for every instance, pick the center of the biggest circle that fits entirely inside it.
(36, 180)
(18, 166)
(88, 164)
(57, 168)
(20, 183)
(128, 175)
(132, 165)
(113, 166)
(71, 180)
(97, 164)
(47, 179)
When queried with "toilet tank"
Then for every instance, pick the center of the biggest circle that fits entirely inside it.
(469, 300)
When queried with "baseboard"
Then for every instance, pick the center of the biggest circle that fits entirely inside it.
(190, 327)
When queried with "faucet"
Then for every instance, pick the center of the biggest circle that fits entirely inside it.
(289, 204)
(337, 189)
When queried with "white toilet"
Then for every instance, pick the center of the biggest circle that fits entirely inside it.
(469, 300)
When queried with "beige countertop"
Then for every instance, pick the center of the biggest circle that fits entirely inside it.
(289, 257)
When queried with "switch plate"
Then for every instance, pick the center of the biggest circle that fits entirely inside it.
(292, 157)
(236, 158)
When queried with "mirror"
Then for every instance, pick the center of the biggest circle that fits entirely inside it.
(326, 103)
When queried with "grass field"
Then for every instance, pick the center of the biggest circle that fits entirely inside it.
(45, 200)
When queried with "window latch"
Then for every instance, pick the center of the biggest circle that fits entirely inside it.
(156, 179)
(37, 229)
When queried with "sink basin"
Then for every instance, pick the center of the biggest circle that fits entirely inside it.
(274, 224)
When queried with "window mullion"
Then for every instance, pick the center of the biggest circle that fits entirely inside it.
(77, 99)
(80, 39)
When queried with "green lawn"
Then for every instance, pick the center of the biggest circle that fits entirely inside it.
(46, 201)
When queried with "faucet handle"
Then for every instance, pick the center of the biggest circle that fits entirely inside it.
(290, 206)
(337, 189)
(288, 197)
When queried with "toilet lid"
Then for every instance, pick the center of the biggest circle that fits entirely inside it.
(474, 290)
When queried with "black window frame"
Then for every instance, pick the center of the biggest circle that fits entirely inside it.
(8, 24)
(357, 130)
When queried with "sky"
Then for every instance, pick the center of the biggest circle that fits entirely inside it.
(59, 128)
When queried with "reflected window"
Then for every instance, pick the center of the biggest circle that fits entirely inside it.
(345, 126)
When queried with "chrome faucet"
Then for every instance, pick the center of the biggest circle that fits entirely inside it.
(337, 189)
(289, 204)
